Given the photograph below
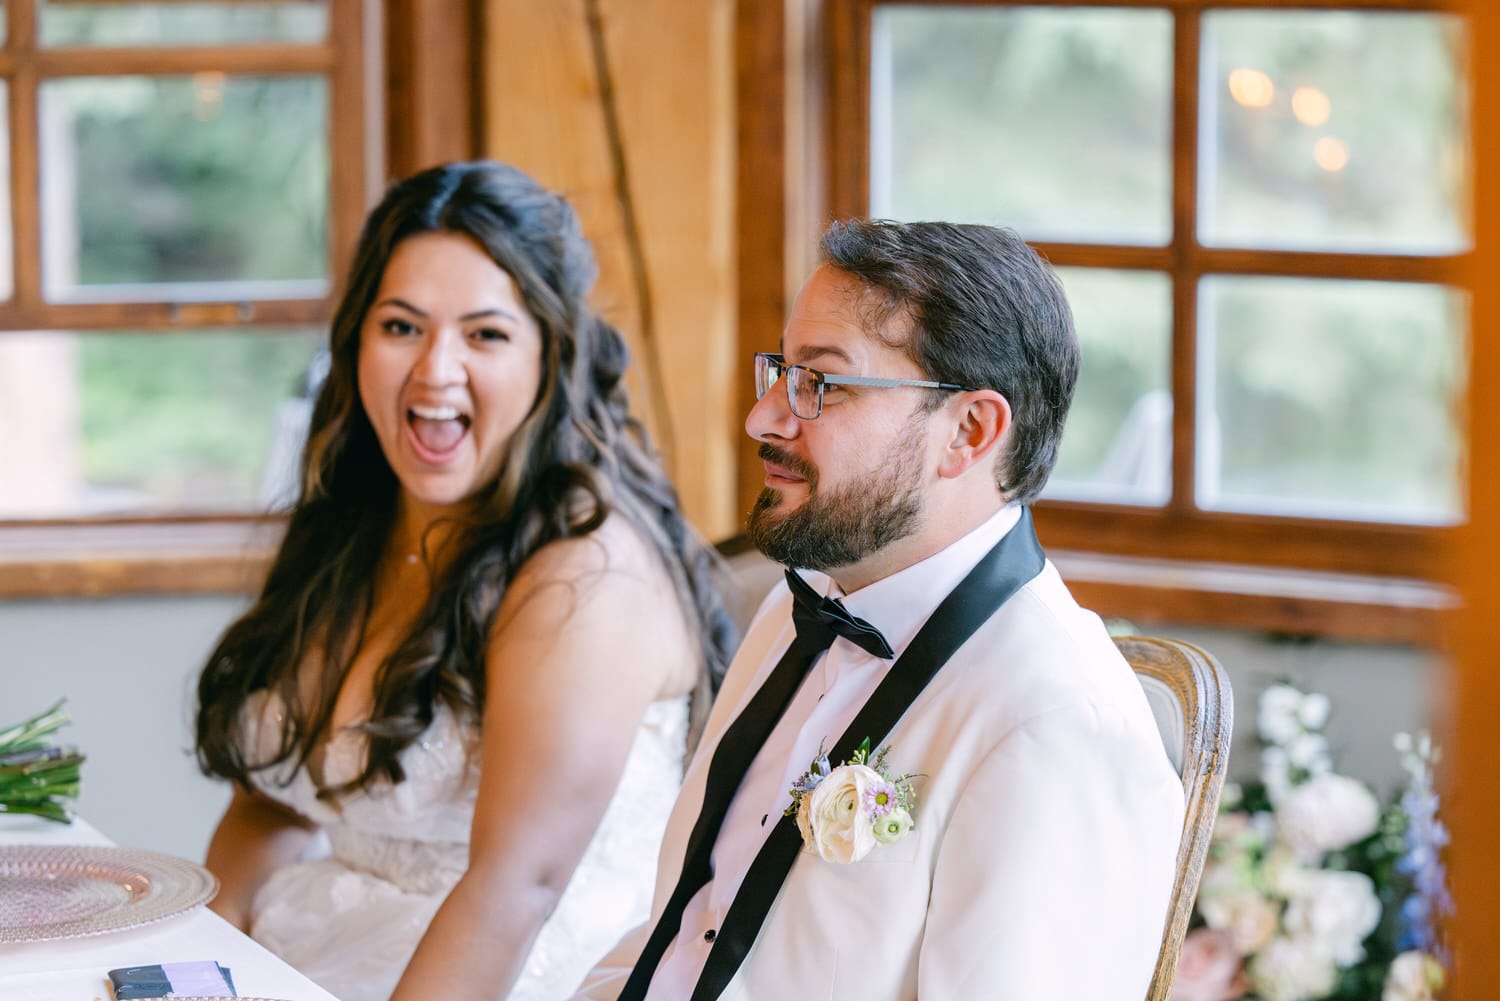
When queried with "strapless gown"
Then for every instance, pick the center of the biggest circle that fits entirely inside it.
(351, 919)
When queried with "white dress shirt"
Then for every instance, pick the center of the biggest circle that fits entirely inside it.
(836, 687)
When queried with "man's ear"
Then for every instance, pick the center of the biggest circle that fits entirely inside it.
(981, 419)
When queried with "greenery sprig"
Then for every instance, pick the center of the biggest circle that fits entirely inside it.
(35, 772)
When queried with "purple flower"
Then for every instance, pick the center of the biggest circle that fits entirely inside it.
(1423, 911)
(880, 798)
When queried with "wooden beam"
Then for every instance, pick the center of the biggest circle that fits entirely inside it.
(1376, 548)
(353, 128)
(578, 94)
(760, 213)
(1151, 592)
(136, 316)
(1473, 739)
(25, 154)
(433, 82)
(188, 556)
(259, 60)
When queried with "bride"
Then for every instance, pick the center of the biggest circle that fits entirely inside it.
(456, 716)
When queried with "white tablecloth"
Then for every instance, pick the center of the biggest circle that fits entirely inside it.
(74, 969)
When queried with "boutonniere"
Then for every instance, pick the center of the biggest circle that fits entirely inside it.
(844, 812)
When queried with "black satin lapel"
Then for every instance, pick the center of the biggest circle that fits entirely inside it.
(1000, 573)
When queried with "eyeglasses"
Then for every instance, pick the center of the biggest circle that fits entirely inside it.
(805, 386)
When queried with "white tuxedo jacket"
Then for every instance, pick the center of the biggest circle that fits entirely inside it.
(1046, 829)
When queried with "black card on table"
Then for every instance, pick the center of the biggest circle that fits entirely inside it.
(200, 979)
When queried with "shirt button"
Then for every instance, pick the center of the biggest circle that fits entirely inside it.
(764, 818)
(709, 935)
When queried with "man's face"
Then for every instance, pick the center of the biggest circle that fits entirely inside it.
(846, 485)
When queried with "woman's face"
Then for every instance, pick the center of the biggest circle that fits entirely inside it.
(449, 365)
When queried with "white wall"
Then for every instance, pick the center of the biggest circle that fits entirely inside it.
(128, 667)
(1376, 691)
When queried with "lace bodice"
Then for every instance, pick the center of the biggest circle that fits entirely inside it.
(351, 920)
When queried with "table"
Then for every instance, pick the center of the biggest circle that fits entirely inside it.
(74, 969)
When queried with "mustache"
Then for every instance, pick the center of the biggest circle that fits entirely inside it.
(798, 465)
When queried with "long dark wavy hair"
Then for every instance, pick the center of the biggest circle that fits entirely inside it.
(578, 456)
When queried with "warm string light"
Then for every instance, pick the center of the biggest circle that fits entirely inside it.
(1252, 88)
(1311, 106)
(1331, 154)
(208, 91)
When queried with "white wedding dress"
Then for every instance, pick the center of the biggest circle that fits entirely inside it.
(352, 919)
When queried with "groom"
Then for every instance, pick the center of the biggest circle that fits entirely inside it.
(1019, 840)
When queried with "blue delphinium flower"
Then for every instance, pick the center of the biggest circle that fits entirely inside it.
(1426, 836)
(814, 775)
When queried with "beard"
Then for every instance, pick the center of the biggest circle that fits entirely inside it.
(850, 523)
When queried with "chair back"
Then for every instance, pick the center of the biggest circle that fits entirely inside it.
(1190, 697)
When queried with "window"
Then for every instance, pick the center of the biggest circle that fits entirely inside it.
(1260, 214)
(182, 181)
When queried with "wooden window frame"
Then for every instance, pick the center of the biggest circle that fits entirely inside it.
(402, 78)
(804, 98)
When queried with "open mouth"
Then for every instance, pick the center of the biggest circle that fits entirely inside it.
(436, 432)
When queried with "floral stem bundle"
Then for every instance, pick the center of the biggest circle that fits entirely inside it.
(34, 772)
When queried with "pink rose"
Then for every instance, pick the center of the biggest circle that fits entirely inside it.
(1209, 969)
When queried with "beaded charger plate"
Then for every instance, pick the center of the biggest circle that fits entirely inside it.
(69, 891)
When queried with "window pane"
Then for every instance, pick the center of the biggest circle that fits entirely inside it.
(1334, 399)
(1054, 121)
(1334, 131)
(1117, 447)
(174, 23)
(128, 423)
(184, 179)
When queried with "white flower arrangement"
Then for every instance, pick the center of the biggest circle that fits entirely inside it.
(843, 812)
(1313, 891)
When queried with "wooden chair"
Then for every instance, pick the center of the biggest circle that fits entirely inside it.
(1194, 709)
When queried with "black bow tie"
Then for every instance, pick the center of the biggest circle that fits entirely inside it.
(819, 619)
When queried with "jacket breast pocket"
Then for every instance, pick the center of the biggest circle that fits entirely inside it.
(904, 850)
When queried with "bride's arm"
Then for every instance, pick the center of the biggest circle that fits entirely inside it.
(254, 838)
(588, 635)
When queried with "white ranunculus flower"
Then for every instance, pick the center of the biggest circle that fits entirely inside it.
(1334, 910)
(1279, 716)
(1307, 750)
(1247, 917)
(1313, 712)
(1275, 774)
(1320, 765)
(1280, 871)
(1291, 970)
(893, 826)
(1327, 812)
(840, 829)
(1413, 976)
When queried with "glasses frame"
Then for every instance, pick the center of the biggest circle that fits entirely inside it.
(766, 361)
